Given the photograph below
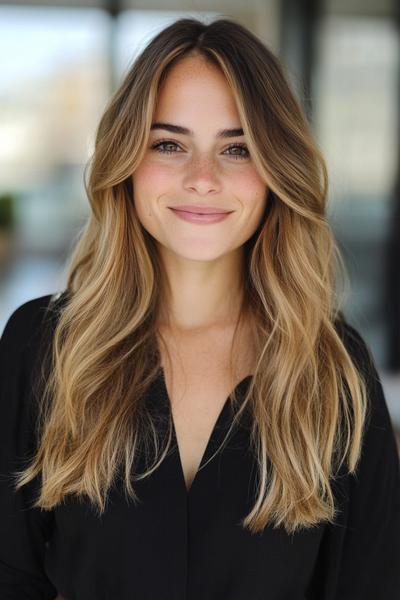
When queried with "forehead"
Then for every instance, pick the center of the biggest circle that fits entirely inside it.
(192, 65)
(192, 88)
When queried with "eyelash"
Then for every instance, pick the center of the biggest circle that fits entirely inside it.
(156, 146)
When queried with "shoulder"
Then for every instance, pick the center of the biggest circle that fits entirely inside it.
(379, 439)
(26, 339)
(355, 344)
(360, 353)
(29, 319)
(379, 425)
(24, 346)
(365, 538)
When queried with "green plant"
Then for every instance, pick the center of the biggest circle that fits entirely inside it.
(7, 211)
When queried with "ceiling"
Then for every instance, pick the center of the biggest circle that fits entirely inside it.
(384, 8)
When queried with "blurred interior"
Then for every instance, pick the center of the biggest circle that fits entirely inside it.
(62, 60)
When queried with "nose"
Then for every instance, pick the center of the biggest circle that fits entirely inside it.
(202, 176)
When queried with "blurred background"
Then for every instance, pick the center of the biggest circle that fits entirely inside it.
(60, 61)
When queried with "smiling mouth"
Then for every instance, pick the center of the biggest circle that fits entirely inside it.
(200, 210)
(192, 212)
(197, 217)
(196, 212)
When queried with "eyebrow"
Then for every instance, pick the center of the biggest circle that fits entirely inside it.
(222, 133)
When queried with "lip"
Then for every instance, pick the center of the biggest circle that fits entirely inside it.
(200, 219)
(198, 209)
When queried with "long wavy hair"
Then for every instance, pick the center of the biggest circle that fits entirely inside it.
(307, 397)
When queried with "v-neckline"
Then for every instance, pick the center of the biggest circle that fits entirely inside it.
(212, 436)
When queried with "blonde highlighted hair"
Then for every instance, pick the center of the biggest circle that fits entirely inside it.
(307, 397)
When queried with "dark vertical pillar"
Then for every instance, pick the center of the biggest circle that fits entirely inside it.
(392, 288)
(113, 7)
(299, 22)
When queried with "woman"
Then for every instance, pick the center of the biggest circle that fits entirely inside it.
(193, 417)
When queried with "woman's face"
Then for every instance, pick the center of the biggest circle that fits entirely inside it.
(198, 167)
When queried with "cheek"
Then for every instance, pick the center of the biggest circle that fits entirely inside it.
(149, 184)
(152, 184)
(151, 179)
(251, 191)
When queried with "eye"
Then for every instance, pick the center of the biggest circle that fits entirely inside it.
(241, 147)
(158, 146)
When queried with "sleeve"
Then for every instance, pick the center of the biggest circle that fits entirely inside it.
(359, 555)
(23, 530)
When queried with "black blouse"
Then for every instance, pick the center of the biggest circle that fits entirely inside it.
(179, 545)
